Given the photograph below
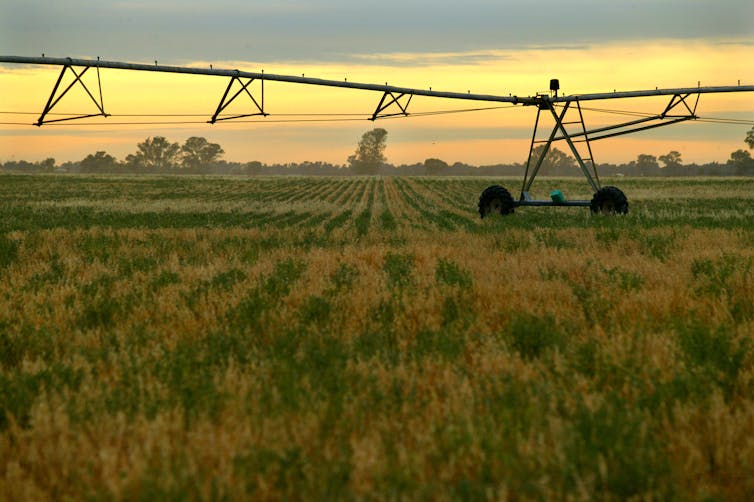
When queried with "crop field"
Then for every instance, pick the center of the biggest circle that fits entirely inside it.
(371, 338)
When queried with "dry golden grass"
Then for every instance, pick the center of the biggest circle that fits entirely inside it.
(371, 338)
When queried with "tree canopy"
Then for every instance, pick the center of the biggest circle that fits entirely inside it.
(155, 153)
(159, 153)
(369, 155)
(554, 161)
(197, 151)
(100, 161)
(434, 166)
(671, 159)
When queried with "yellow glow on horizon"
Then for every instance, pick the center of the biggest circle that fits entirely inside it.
(664, 64)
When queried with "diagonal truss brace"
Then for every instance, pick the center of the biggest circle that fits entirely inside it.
(55, 98)
(678, 99)
(650, 122)
(389, 99)
(224, 101)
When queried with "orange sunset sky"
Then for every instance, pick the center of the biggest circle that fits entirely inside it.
(483, 47)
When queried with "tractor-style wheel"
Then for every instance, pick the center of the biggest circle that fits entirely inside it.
(609, 200)
(495, 200)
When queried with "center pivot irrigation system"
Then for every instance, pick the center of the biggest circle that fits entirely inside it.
(566, 111)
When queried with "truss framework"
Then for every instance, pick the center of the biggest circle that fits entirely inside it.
(583, 137)
(55, 98)
(522, 100)
(395, 102)
(244, 88)
(395, 99)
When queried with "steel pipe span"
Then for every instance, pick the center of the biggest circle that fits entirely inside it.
(654, 92)
(259, 75)
(528, 100)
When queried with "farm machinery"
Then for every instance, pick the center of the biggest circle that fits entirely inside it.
(566, 112)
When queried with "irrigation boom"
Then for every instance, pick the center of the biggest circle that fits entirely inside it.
(396, 100)
(187, 70)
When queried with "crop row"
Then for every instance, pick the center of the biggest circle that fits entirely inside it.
(371, 337)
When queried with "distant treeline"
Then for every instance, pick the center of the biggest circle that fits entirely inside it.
(198, 156)
(431, 167)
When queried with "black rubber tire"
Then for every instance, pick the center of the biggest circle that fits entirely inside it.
(496, 200)
(609, 200)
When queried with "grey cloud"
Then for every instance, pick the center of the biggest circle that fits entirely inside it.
(336, 30)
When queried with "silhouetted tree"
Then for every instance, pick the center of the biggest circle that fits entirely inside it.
(672, 159)
(434, 166)
(750, 138)
(556, 162)
(99, 161)
(741, 162)
(369, 155)
(155, 153)
(646, 164)
(197, 152)
(47, 165)
(253, 167)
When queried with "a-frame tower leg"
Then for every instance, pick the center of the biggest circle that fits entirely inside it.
(533, 165)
